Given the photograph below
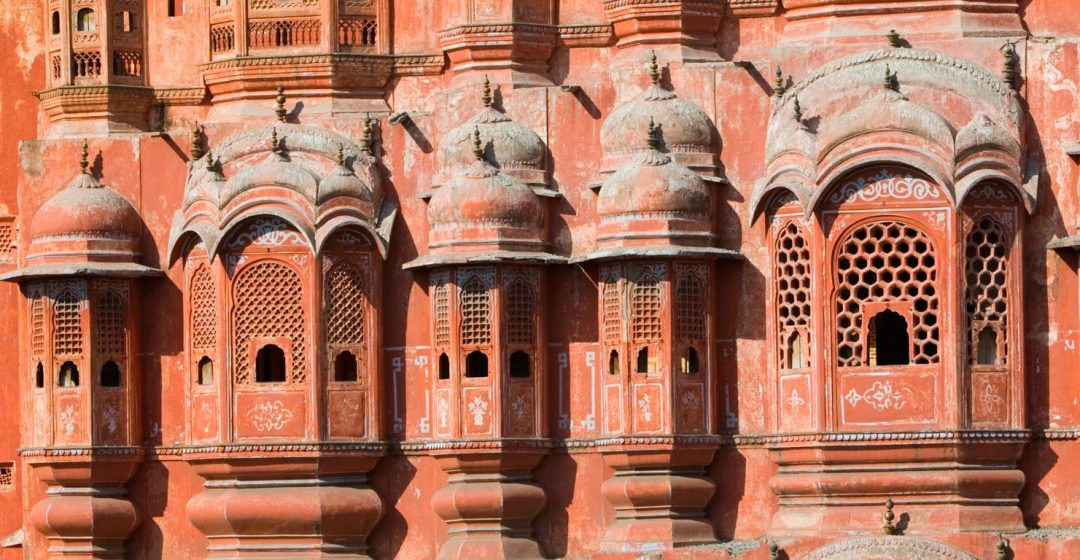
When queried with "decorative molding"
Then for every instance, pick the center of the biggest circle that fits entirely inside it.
(180, 95)
(753, 8)
(586, 35)
(419, 64)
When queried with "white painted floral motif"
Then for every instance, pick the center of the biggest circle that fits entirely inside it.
(795, 401)
(444, 412)
(884, 185)
(206, 414)
(67, 419)
(990, 398)
(645, 404)
(520, 407)
(269, 415)
(478, 408)
(881, 396)
(936, 219)
(111, 415)
(266, 232)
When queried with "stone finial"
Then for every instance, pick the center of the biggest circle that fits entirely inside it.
(653, 137)
(478, 146)
(654, 69)
(341, 155)
(211, 165)
(1002, 548)
(890, 81)
(84, 158)
(280, 110)
(894, 39)
(1009, 60)
(797, 110)
(196, 141)
(275, 144)
(486, 96)
(781, 85)
(887, 517)
(367, 140)
(774, 551)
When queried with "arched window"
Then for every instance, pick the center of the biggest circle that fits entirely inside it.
(476, 364)
(171, 8)
(987, 297)
(270, 364)
(643, 360)
(206, 371)
(127, 22)
(345, 368)
(986, 348)
(110, 374)
(86, 20)
(56, 23)
(794, 351)
(444, 366)
(520, 365)
(792, 269)
(270, 303)
(888, 343)
(520, 312)
(613, 363)
(690, 362)
(39, 376)
(69, 375)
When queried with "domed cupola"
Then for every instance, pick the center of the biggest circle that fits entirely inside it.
(514, 149)
(687, 133)
(87, 228)
(343, 180)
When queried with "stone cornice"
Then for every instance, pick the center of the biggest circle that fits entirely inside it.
(586, 35)
(419, 64)
(86, 451)
(180, 95)
(370, 62)
(753, 8)
(497, 29)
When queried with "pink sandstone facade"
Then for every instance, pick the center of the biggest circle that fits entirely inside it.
(540, 279)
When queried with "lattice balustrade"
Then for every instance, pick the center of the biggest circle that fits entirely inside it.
(85, 65)
(521, 311)
(109, 323)
(792, 262)
(284, 33)
(57, 64)
(884, 262)
(346, 306)
(127, 64)
(442, 315)
(646, 323)
(614, 319)
(357, 32)
(987, 289)
(204, 307)
(475, 302)
(260, 5)
(222, 38)
(690, 303)
(67, 324)
(269, 302)
(37, 326)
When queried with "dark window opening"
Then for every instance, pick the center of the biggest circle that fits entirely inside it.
(796, 354)
(444, 366)
(643, 360)
(345, 368)
(110, 374)
(986, 353)
(69, 375)
(56, 23)
(39, 376)
(127, 22)
(520, 365)
(690, 362)
(172, 8)
(888, 339)
(476, 364)
(86, 20)
(206, 371)
(613, 363)
(270, 365)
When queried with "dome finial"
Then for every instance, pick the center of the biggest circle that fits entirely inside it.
(486, 96)
(84, 158)
(894, 39)
(890, 78)
(341, 155)
(196, 141)
(280, 100)
(366, 141)
(654, 69)
(781, 84)
(211, 165)
(798, 110)
(478, 146)
(653, 138)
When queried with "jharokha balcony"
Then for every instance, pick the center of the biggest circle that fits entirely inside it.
(329, 49)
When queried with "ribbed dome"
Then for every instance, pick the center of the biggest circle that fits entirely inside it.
(982, 132)
(342, 181)
(654, 185)
(483, 196)
(509, 145)
(86, 208)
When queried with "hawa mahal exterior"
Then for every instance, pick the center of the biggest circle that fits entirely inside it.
(766, 279)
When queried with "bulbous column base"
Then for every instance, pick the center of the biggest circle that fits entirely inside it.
(659, 493)
(490, 501)
(947, 482)
(86, 514)
(287, 505)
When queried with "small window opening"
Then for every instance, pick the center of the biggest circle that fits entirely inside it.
(270, 365)
(888, 340)
(345, 367)
(127, 22)
(986, 353)
(520, 365)
(643, 360)
(86, 20)
(206, 371)
(476, 364)
(690, 362)
(796, 353)
(110, 374)
(56, 23)
(172, 8)
(69, 375)
(39, 376)
(222, 3)
(613, 363)
(444, 366)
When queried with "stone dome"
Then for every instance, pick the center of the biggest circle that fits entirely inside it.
(86, 208)
(654, 185)
(343, 181)
(509, 146)
(684, 127)
(982, 132)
